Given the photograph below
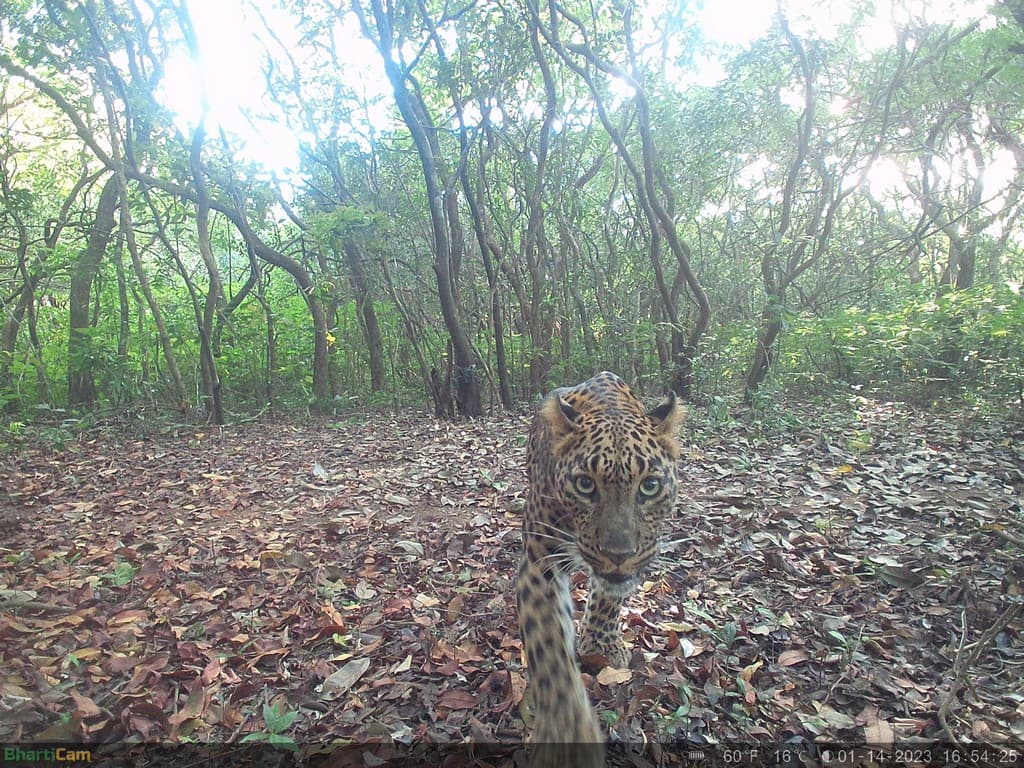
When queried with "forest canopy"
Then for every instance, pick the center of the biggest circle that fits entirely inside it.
(467, 203)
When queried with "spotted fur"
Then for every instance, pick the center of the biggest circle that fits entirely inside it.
(602, 474)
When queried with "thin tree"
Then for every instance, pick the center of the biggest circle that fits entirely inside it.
(441, 197)
(587, 62)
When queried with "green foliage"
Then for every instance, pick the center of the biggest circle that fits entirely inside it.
(563, 217)
(328, 227)
(56, 437)
(123, 574)
(278, 719)
(922, 346)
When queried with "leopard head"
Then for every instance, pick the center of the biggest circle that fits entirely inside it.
(612, 476)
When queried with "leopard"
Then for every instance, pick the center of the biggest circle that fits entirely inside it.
(602, 478)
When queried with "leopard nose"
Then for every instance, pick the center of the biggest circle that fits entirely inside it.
(619, 546)
(619, 551)
(619, 558)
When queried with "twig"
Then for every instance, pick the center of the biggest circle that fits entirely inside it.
(35, 605)
(1008, 537)
(961, 668)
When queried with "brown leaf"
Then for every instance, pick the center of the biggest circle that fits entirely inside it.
(115, 665)
(341, 681)
(195, 705)
(144, 718)
(455, 698)
(211, 672)
(792, 656)
(879, 733)
(899, 576)
(128, 617)
(455, 607)
(614, 676)
(750, 670)
(84, 706)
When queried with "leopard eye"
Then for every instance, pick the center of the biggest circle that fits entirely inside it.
(584, 485)
(650, 486)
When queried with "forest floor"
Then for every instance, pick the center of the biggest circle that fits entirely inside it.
(852, 577)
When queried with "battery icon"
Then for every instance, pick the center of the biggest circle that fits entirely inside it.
(695, 755)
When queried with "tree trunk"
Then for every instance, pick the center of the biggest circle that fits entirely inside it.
(25, 307)
(163, 337)
(541, 320)
(268, 313)
(420, 124)
(487, 248)
(367, 314)
(9, 343)
(771, 326)
(412, 332)
(124, 327)
(321, 350)
(81, 381)
(234, 303)
(647, 178)
(214, 293)
(961, 259)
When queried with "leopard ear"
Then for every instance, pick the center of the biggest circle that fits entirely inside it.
(668, 415)
(559, 415)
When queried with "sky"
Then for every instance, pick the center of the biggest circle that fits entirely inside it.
(230, 66)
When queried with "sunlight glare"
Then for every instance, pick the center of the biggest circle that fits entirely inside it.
(620, 88)
(738, 23)
(229, 74)
(735, 22)
(885, 178)
(230, 68)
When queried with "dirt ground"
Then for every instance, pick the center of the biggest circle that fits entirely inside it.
(852, 578)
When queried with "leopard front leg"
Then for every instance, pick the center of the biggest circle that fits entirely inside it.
(601, 634)
(565, 732)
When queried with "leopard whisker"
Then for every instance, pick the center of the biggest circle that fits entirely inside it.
(557, 534)
(546, 524)
(667, 544)
(558, 539)
(563, 561)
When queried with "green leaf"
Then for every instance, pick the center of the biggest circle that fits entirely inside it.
(278, 718)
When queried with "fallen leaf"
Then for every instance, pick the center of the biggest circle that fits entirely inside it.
(899, 576)
(84, 706)
(614, 676)
(879, 733)
(128, 617)
(194, 705)
(833, 717)
(676, 626)
(750, 670)
(454, 698)
(341, 681)
(411, 547)
(793, 656)
(364, 591)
